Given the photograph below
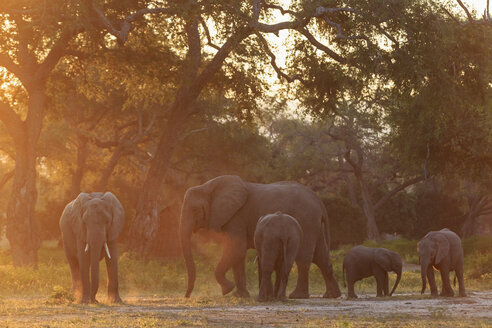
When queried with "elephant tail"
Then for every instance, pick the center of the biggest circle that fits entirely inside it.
(284, 250)
(326, 223)
(343, 275)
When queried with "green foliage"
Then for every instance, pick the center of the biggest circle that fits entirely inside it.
(406, 248)
(478, 257)
(347, 224)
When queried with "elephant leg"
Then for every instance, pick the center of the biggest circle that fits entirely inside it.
(322, 259)
(278, 279)
(229, 255)
(385, 284)
(350, 287)
(112, 269)
(281, 285)
(379, 284)
(432, 281)
(461, 281)
(447, 290)
(73, 262)
(266, 288)
(302, 288)
(76, 282)
(239, 271)
(84, 261)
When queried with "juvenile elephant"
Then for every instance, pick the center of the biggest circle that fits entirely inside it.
(90, 225)
(441, 250)
(362, 262)
(229, 205)
(277, 240)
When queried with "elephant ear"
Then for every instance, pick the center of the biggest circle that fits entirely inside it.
(77, 214)
(442, 245)
(383, 259)
(227, 195)
(118, 215)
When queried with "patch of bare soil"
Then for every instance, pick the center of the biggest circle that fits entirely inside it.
(474, 310)
(477, 305)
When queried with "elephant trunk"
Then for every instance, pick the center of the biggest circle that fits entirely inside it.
(424, 264)
(398, 277)
(95, 257)
(186, 228)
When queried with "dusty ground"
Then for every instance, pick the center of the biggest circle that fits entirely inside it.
(408, 310)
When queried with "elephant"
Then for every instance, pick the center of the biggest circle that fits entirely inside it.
(362, 262)
(277, 239)
(90, 225)
(232, 207)
(441, 250)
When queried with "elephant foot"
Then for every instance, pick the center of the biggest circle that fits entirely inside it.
(241, 293)
(434, 294)
(94, 301)
(227, 287)
(114, 299)
(447, 294)
(298, 294)
(282, 298)
(463, 294)
(332, 294)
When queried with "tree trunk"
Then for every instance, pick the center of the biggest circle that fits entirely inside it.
(108, 170)
(82, 154)
(371, 226)
(145, 226)
(22, 228)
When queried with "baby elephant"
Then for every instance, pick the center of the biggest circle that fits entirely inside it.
(362, 262)
(277, 239)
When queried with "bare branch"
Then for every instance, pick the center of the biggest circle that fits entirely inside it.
(273, 62)
(122, 33)
(451, 15)
(6, 177)
(282, 10)
(256, 10)
(321, 46)
(8, 63)
(11, 120)
(207, 33)
(397, 189)
(467, 12)
(54, 55)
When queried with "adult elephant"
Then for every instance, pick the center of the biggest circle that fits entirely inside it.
(232, 206)
(90, 225)
(441, 250)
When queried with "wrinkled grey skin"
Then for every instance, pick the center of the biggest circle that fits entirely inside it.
(441, 250)
(87, 223)
(362, 262)
(232, 207)
(277, 240)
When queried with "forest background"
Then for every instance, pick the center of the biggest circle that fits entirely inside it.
(382, 108)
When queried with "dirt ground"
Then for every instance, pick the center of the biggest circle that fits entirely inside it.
(367, 311)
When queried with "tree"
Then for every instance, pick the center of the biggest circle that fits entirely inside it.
(33, 40)
(234, 25)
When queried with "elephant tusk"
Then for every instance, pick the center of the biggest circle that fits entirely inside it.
(86, 247)
(107, 250)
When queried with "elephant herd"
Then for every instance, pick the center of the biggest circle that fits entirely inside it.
(285, 221)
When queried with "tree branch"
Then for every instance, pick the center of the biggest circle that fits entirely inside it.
(125, 27)
(11, 120)
(207, 34)
(398, 189)
(8, 64)
(467, 12)
(6, 177)
(273, 62)
(321, 46)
